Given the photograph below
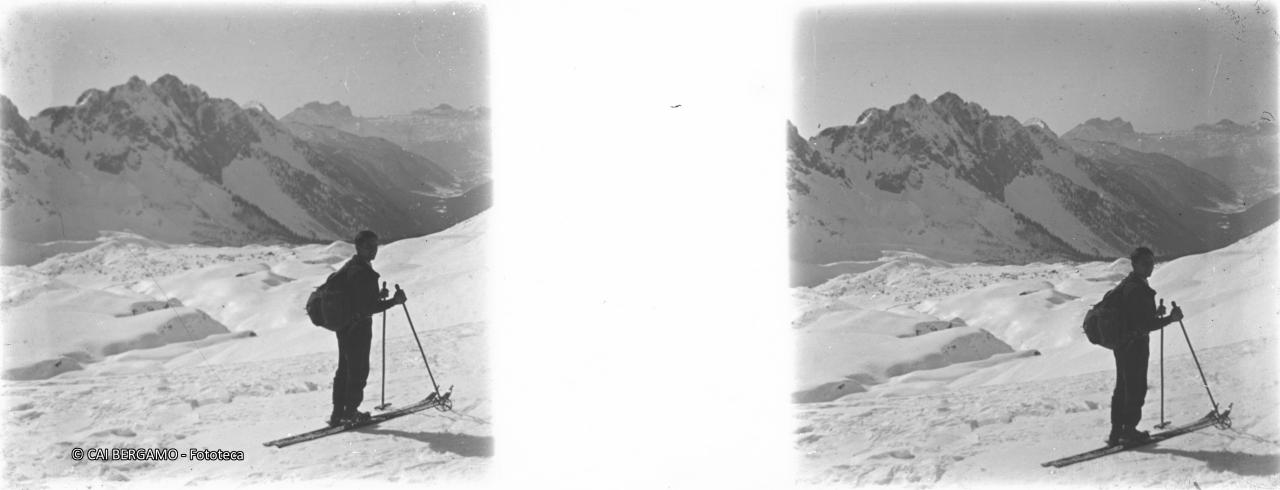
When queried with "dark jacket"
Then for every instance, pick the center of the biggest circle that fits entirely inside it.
(1138, 307)
(360, 285)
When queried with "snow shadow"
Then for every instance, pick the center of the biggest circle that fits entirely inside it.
(1243, 464)
(464, 445)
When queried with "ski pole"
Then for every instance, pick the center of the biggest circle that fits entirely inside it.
(1163, 423)
(415, 339)
(1197, 360)
(384, 405)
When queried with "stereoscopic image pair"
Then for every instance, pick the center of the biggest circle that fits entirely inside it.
(1028, 245)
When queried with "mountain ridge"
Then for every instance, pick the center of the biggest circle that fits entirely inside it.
(455, 139)
(951, 180)
(1244, 156)
(171, 162)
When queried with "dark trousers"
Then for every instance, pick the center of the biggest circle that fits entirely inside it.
(1131, 382)
(353, 366)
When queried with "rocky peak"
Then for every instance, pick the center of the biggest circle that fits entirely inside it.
(1116, 124)
(186, 97)
(983, 149)
(333, 109)
(254, 105)
(952, 108)
(1038, 127)
(122, 102)
(169, 82)
(146, 116)
(90, 97)
(948, 102)
(133, 91)
(870, 115)
(135, 84)
(9, 112)
(172, 85)
(948, 113)
(450, 112)
(1036, 122)
(1225, 126)
(913, 111)
(913, 108)
(439, 110)
(1098, 129)
(795, 142)
(333, 113)
(11, 120)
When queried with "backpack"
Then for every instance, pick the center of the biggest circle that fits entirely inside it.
(327, 306)
(1104, 323)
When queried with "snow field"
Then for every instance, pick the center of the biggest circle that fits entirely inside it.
(883, 404)
(999, 434)
(252, 369)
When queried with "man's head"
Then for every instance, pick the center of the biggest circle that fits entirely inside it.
(366, 244)
(1143, 261)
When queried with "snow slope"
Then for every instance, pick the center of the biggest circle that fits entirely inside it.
(992, 417)
(237, 363)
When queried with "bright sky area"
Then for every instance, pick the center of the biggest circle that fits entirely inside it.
(377, 60)
(1161, 66)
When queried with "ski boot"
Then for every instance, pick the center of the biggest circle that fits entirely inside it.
(335, 419)
(355, 417)
(1126, 435)
(1131, 435)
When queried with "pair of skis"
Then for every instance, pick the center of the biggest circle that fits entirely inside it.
(1221, 420)
(439, 402)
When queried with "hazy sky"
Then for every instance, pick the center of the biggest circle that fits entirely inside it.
(378, 60)
(1160, 66)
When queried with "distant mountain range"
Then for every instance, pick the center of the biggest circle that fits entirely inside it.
(950, 180)
(1242, 156)
(170, 162)
(457, 140)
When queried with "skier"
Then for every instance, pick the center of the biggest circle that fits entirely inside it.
(359, 282)
(1140, 317)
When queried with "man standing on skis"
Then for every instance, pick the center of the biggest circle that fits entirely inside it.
(1140, 316)
(359, 283)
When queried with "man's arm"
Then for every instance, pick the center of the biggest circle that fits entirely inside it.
(364, 294)
(1141, 311)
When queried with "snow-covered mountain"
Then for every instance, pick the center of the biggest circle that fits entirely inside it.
(456, 139)
(949, 180)
(919, 372)
(167, 161)
(1242, 156)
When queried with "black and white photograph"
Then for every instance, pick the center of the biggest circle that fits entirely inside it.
(505, 244)
(1035, 244)
(245, 244)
